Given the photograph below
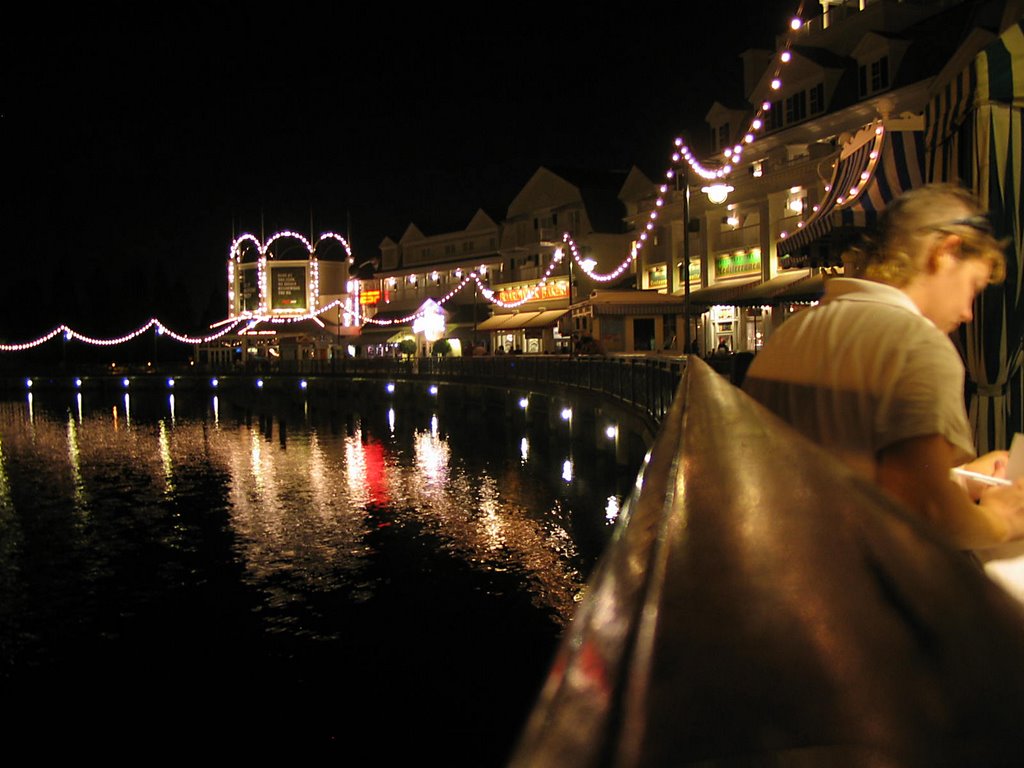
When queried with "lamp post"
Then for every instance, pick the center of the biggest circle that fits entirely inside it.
(572, 329)
(686, 258)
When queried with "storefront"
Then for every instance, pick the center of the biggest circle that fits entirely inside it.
(532, 332)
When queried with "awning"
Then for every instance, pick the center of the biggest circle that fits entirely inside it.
(854, 166)
(510, 321)
(725, 292)
(873, 168)
(792, 285)
(975, 126)
(282, 328)
(901, 168)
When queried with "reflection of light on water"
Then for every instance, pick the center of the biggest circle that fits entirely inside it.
(216, 410)
(611, 509)
(524, 449)
(318, 474)
(567, 470)
(491, 520)
(31, 415)
(5, 486)
(355, 468)
(127, 409)
(76, 468)
(170, 406)
(165, 457)
(78, 401)
(432, 458)
(256, 459)
(391, 420)
(300, 517)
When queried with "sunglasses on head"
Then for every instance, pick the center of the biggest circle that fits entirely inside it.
(978, 223)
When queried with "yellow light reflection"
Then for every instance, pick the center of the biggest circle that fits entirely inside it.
(6, 505)
(216, 410)
(165, 457)
(432, 456)
(612, 509)
(391, 420)
(355, 468)
(127, 409)
(76, 467)
(524, 449)
(255, 458)
(567, 470)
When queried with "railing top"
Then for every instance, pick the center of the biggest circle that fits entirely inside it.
(759, 601)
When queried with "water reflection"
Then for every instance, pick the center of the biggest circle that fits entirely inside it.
(186, 524)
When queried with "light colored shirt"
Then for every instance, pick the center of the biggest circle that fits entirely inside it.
(862, 371)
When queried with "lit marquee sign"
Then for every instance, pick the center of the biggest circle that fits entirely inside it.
(250, 288)
(288, 288)
(553, 289)
(369, 297)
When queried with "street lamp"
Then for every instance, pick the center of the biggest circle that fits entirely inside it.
(686, 257)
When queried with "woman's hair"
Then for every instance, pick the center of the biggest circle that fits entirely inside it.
(900, 248)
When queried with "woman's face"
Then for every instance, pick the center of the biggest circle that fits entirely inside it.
(952, 289)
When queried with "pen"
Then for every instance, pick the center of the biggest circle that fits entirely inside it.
(987, 479)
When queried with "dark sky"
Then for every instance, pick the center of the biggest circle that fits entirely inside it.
(135, 146)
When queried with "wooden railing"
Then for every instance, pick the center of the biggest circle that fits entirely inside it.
(761, 605)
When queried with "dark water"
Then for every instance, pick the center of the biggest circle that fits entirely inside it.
(181, 573)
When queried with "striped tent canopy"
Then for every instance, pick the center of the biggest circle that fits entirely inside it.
(975, 137)
(872, 168)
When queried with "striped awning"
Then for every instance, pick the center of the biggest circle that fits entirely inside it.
(790, 286)
(511, 321)
(900, 168)
(873, 168)
(725, 292)
(975, 130)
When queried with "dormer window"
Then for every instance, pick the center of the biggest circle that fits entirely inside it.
(816, 96)
(874, 76)
(796, 107)
(720, 137)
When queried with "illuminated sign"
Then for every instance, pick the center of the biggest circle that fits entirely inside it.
(740, 263)
(553, 289)
(288, 288)
(250, 289)
(369, 297)
(657, 277)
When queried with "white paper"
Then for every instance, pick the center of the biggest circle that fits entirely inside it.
(1005, 564)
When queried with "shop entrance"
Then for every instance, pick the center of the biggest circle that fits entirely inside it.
(643, 334)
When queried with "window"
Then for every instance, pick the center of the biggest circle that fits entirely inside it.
(467, 246)
(796, 107)
(873, 77)
(720, 137)
(449, 251)
(817, 98)
(880, 74)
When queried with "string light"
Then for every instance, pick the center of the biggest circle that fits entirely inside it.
(682, 153)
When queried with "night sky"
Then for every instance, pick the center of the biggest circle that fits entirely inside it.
(135, 148)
